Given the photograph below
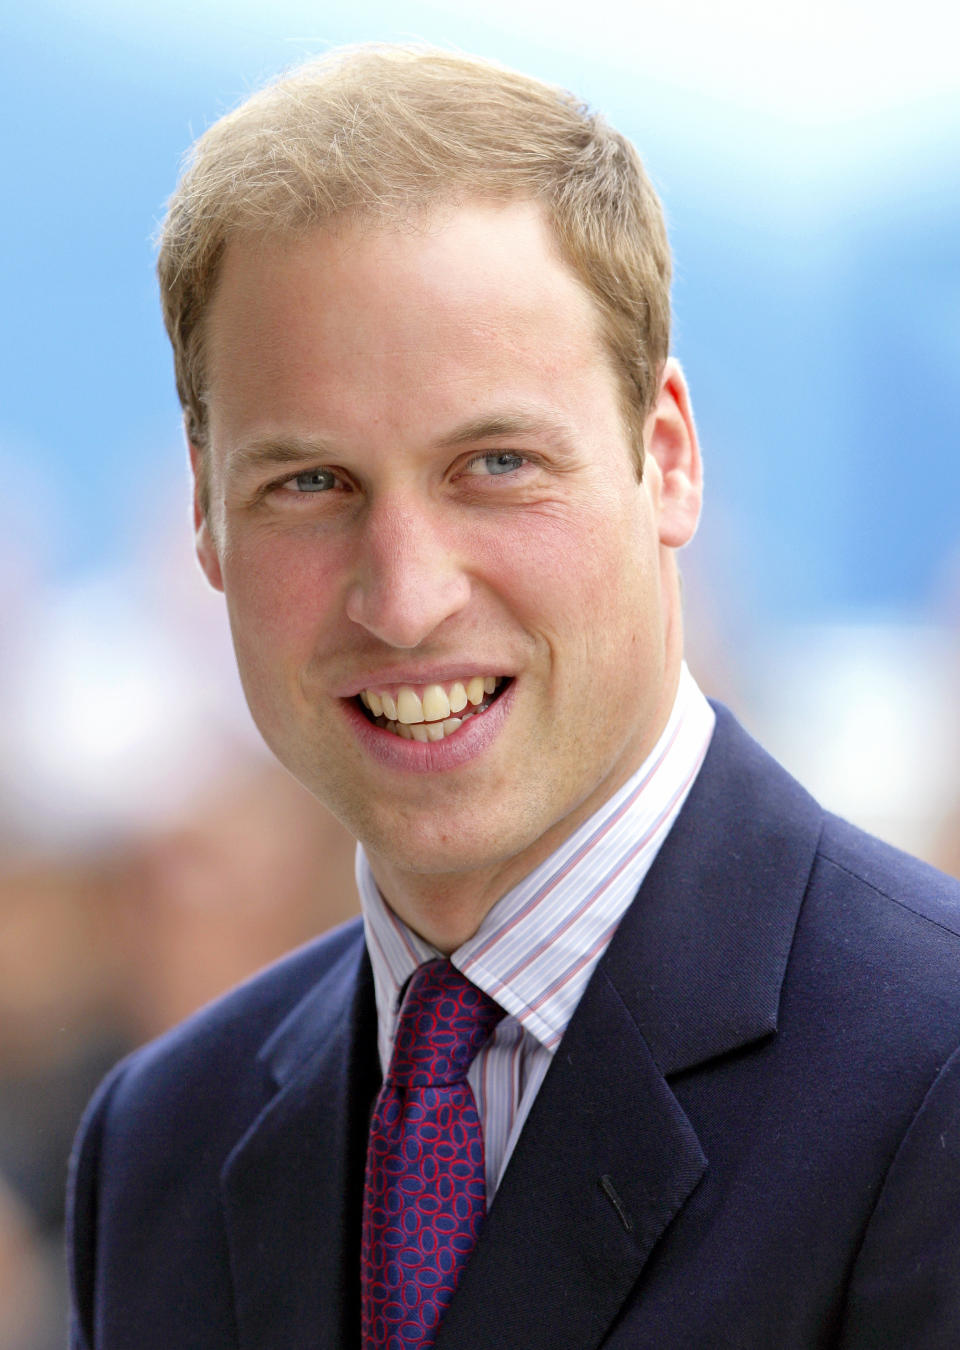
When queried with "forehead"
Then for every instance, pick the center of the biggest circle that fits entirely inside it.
(483, 281)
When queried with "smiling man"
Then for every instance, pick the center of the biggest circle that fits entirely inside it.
(634, 1045)
(452, 596)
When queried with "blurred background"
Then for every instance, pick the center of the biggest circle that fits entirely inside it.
(150, 853)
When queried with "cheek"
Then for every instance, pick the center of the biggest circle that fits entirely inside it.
(277, 595)
(552, 541)
(592, 579)
(527, 560)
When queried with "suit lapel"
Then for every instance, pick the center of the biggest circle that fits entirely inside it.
(700, 956)
(292, 1188)
(604, 1162)
(607, 1158)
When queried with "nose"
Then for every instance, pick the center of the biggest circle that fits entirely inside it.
(408, 578)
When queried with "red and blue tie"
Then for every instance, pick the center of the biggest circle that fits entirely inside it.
(425, 1194)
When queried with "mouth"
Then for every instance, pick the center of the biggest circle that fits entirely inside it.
(430, 712)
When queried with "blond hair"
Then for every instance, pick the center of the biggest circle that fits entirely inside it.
(380, 133)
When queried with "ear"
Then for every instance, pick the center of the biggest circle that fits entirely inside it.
(670, 440)
(205, 543)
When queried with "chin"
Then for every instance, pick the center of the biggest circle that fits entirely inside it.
(419, 848)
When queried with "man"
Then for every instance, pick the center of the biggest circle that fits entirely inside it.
(688, 1077)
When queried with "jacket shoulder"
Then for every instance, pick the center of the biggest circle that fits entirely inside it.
(877, 951)
(229, 1032)
(163, 1122)
(892, 877)
(207, 1073)
(761, 806)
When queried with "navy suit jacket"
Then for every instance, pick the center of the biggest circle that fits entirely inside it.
(749, 1136)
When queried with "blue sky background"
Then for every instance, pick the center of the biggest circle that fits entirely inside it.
(810, 164)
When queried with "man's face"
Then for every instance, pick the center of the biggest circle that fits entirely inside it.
(422, 487)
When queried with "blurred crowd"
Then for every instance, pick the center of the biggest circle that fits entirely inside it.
(104, 948)
(152, 854)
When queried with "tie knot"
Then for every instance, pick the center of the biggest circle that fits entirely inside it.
(443, 1023)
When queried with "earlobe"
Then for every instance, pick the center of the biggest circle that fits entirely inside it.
(670, 438)
(206, 547)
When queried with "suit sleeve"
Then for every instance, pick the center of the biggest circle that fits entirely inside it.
(82, 1213)
(905, 1286)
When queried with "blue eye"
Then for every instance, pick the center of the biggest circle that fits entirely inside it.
(500, 463)
(315, 480)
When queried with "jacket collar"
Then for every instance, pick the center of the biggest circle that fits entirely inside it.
(700, 957)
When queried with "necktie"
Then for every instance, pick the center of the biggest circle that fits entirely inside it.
(425, 1194)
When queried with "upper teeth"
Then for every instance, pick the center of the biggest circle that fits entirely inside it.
(435, 704)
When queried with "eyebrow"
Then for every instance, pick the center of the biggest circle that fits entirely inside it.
(260, 454)
(282, 450)
(506, 424)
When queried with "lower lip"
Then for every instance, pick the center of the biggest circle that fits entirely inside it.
(470, 740)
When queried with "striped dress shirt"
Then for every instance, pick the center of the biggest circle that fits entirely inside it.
(538, 946)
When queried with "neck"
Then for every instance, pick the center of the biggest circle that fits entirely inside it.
(445, 910)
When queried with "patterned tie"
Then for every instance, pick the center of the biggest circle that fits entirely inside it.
(425, 1196)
